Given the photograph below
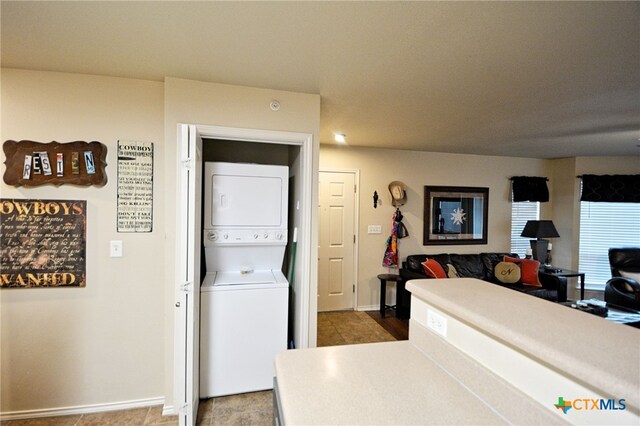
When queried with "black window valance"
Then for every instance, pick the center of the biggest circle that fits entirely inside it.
(611, 188)
(530, 188)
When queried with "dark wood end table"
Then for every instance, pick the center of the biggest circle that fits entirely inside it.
(559, 272)
(383, 291)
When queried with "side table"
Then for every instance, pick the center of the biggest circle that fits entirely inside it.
(558, 272)
(383, 291)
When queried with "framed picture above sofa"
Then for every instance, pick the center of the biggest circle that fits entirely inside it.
(455, 215)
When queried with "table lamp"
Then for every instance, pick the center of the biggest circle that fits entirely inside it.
(539, 229)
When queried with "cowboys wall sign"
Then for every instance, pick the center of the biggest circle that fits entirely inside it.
(43, 243)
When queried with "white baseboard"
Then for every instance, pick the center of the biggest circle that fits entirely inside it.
(82, 409)
(169, 410)
(368, 308)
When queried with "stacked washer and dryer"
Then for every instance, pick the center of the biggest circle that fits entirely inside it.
(244, 295)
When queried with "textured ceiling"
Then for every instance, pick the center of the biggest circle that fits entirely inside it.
(527, 79)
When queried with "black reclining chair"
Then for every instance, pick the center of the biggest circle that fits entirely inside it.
(623, 290)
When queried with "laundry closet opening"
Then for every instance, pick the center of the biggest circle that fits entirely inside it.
(250, 211)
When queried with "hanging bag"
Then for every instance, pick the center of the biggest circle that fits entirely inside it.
(390, 259)
(402, 231)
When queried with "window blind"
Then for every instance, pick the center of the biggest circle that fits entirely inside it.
(605, 225)
(521, 212)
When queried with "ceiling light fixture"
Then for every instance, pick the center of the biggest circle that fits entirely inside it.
(339, 137)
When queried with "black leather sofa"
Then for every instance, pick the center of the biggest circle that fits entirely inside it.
(476, 266)
(619, 290)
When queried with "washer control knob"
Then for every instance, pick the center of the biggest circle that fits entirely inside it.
(225, 236)
(266, 235)
(255, 235)
(212, 235)
(279, 235)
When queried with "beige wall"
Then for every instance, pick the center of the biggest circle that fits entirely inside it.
(112, 341)
(379, 167)
(64, 347)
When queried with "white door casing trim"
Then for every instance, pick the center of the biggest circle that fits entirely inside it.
(305, 142)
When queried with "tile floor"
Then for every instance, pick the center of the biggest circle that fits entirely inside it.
(256, 408)
(136, 416)
(349, 327)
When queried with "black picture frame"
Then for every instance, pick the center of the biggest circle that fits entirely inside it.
(455, 215)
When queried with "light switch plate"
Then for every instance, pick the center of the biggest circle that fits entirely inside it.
(374, 229)
(116, 248)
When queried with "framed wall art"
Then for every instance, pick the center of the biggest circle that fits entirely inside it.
(135, 186)
(43, 243)
(32, 163)
(455, 215)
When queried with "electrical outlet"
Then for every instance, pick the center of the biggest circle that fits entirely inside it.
(437, 323)
(374, 229)
(116, 248)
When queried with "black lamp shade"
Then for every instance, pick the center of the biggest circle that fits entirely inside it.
(539, 229)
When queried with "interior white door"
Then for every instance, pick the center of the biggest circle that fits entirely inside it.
(336, 248)
(189, 230)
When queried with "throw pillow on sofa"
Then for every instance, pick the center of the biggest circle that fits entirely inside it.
(529, 270)
(451, 271)
(433, 269)
(507, 273)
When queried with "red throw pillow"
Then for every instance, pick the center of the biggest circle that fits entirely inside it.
(529, 270)
(433, 269)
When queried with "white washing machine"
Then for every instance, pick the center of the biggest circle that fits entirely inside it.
(244, 295)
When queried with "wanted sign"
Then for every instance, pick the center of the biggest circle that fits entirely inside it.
(43, 243)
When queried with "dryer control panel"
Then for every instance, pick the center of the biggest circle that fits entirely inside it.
(244, 236)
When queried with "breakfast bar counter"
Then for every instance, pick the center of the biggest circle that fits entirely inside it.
(390, 383)
(471, 358)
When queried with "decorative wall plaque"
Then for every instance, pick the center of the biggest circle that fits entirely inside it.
(31, 163)
(135, 186)
(43, 243)
(455, 215)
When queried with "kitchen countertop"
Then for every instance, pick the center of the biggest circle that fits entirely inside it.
(588, 349)
(502, 357)
(389, 383)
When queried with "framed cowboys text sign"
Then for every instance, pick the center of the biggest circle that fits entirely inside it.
(43, 243)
